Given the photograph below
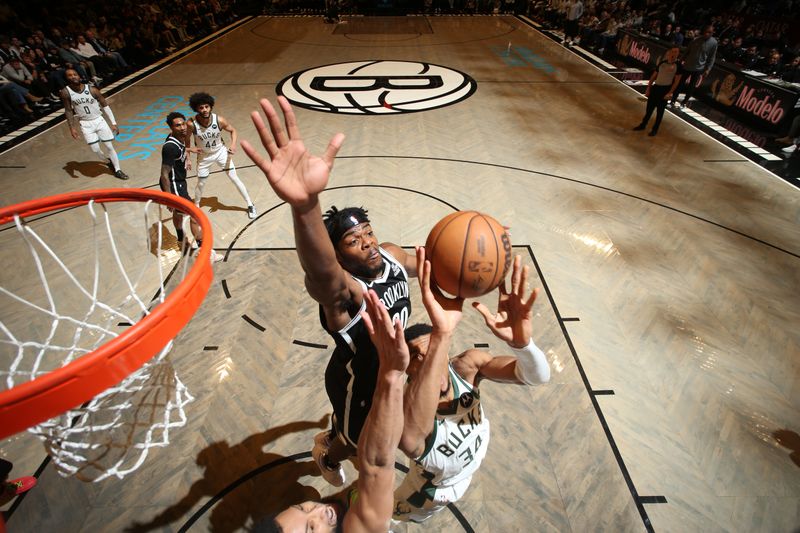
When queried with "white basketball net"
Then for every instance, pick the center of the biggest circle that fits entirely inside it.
(116, 276)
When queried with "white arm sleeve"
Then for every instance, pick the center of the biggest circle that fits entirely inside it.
(109, 114)
(532, 366)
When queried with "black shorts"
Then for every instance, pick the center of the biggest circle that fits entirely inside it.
(350, 388)
(179, 188)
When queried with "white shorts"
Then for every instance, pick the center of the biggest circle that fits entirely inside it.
(221, 157)
(417, 499)
(95, 130)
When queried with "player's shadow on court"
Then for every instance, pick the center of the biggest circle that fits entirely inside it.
(238, 500)
(213, 204)
(791, 441)
(87, 169)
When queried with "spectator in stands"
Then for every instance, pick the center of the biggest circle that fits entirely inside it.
(17, 47)
(102, 64)
(791, 71)
(751, 59)
(771, 65)
(19, 74)
(84, 67)
(119, 62)
(51, 63)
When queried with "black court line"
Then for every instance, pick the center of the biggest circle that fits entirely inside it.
(558, 82)
(571, 319)
(225, 289)
(603, 392)
(147, 71)
(282, 461)
(758, 159)
(481, 345)
(310, 344)
(254, 323)
(204, 85)
(606, 429)
(556, 176)
(584, 378)
(124, 324)
(210, 348)
(652, 499)
(725, 160)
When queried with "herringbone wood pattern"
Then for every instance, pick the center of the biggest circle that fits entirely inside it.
(684, 276)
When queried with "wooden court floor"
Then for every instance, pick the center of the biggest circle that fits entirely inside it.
(670, 267)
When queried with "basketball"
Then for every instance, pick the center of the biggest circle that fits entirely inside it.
(470, 253)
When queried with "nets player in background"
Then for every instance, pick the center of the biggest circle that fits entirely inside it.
(341, 258)
(206, 128)
(85, 102)
(366, 507)
(173, 176)
(446, 433)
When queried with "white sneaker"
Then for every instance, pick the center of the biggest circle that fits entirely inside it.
(251, 211)
(321, 444)
(215, 257)
(789, 149)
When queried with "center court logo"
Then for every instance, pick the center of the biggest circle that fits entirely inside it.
(377, 87)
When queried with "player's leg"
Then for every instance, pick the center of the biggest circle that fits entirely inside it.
(203, 170)
(230, 170)
(106, 136)
(182, 190)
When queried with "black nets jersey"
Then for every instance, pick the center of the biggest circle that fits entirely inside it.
(353, 369)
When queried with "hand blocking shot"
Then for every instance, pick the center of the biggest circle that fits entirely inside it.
(446, 432)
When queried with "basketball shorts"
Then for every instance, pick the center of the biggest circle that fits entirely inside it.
(179, 188)
(417, 499)
(220, 158)
(350, 388)
(96, 129)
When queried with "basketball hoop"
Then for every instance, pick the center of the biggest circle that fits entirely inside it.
(73, 367)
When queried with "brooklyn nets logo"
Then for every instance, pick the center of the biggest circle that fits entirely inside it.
(377, 87)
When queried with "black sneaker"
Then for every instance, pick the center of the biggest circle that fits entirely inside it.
(640, 127)
(121, 175)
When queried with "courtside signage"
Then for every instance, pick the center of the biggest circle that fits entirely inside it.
(377, 87)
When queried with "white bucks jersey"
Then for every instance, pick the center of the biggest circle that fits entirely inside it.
(209, 138)
(460, 437)
(84, 105)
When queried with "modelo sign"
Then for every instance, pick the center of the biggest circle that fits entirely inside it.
(761, 104)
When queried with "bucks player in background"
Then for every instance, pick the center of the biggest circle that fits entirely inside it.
(206, 128)
(173, 177)
(446, 433)
(85, 102)
(341, 258)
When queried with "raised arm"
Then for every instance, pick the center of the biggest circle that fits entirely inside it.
(421, 396)
(297, 177)
(512, 323)
(383, 426)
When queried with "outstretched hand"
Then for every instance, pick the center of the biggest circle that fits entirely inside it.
(445, 313)
(295, 175)
(513, 320)
(386, 335)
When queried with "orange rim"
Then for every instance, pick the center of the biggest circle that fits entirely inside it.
(67, 387)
